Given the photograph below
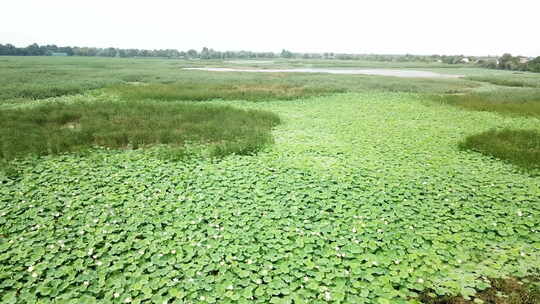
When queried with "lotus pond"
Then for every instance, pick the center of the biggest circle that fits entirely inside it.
(363, 198)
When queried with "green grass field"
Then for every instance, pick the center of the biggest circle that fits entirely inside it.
(353, 189)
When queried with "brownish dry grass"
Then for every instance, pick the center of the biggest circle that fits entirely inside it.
(502, 291)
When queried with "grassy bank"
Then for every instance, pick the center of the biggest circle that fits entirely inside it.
(60, 127)
(193, 91)
(521, 102)
(520, 147)
(515, 79)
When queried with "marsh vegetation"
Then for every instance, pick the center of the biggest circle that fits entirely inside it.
(521, 147)
(73, 127)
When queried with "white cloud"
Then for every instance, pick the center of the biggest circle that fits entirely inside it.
(380, 26)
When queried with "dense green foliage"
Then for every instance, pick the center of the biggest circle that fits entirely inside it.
(364, 199)
(514, 63)
(521, 147)
(525, 102)
(58, 127)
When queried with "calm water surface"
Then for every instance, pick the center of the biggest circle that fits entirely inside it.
(381, 72)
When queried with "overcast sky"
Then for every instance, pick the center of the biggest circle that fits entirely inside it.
(470, 27)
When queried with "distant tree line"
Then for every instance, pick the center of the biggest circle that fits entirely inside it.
(514, 63)
(506, 62)
(207, 53)
(52, 50)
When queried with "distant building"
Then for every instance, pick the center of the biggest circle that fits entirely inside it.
(59, 54)
(523, 59)
(464, 60)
